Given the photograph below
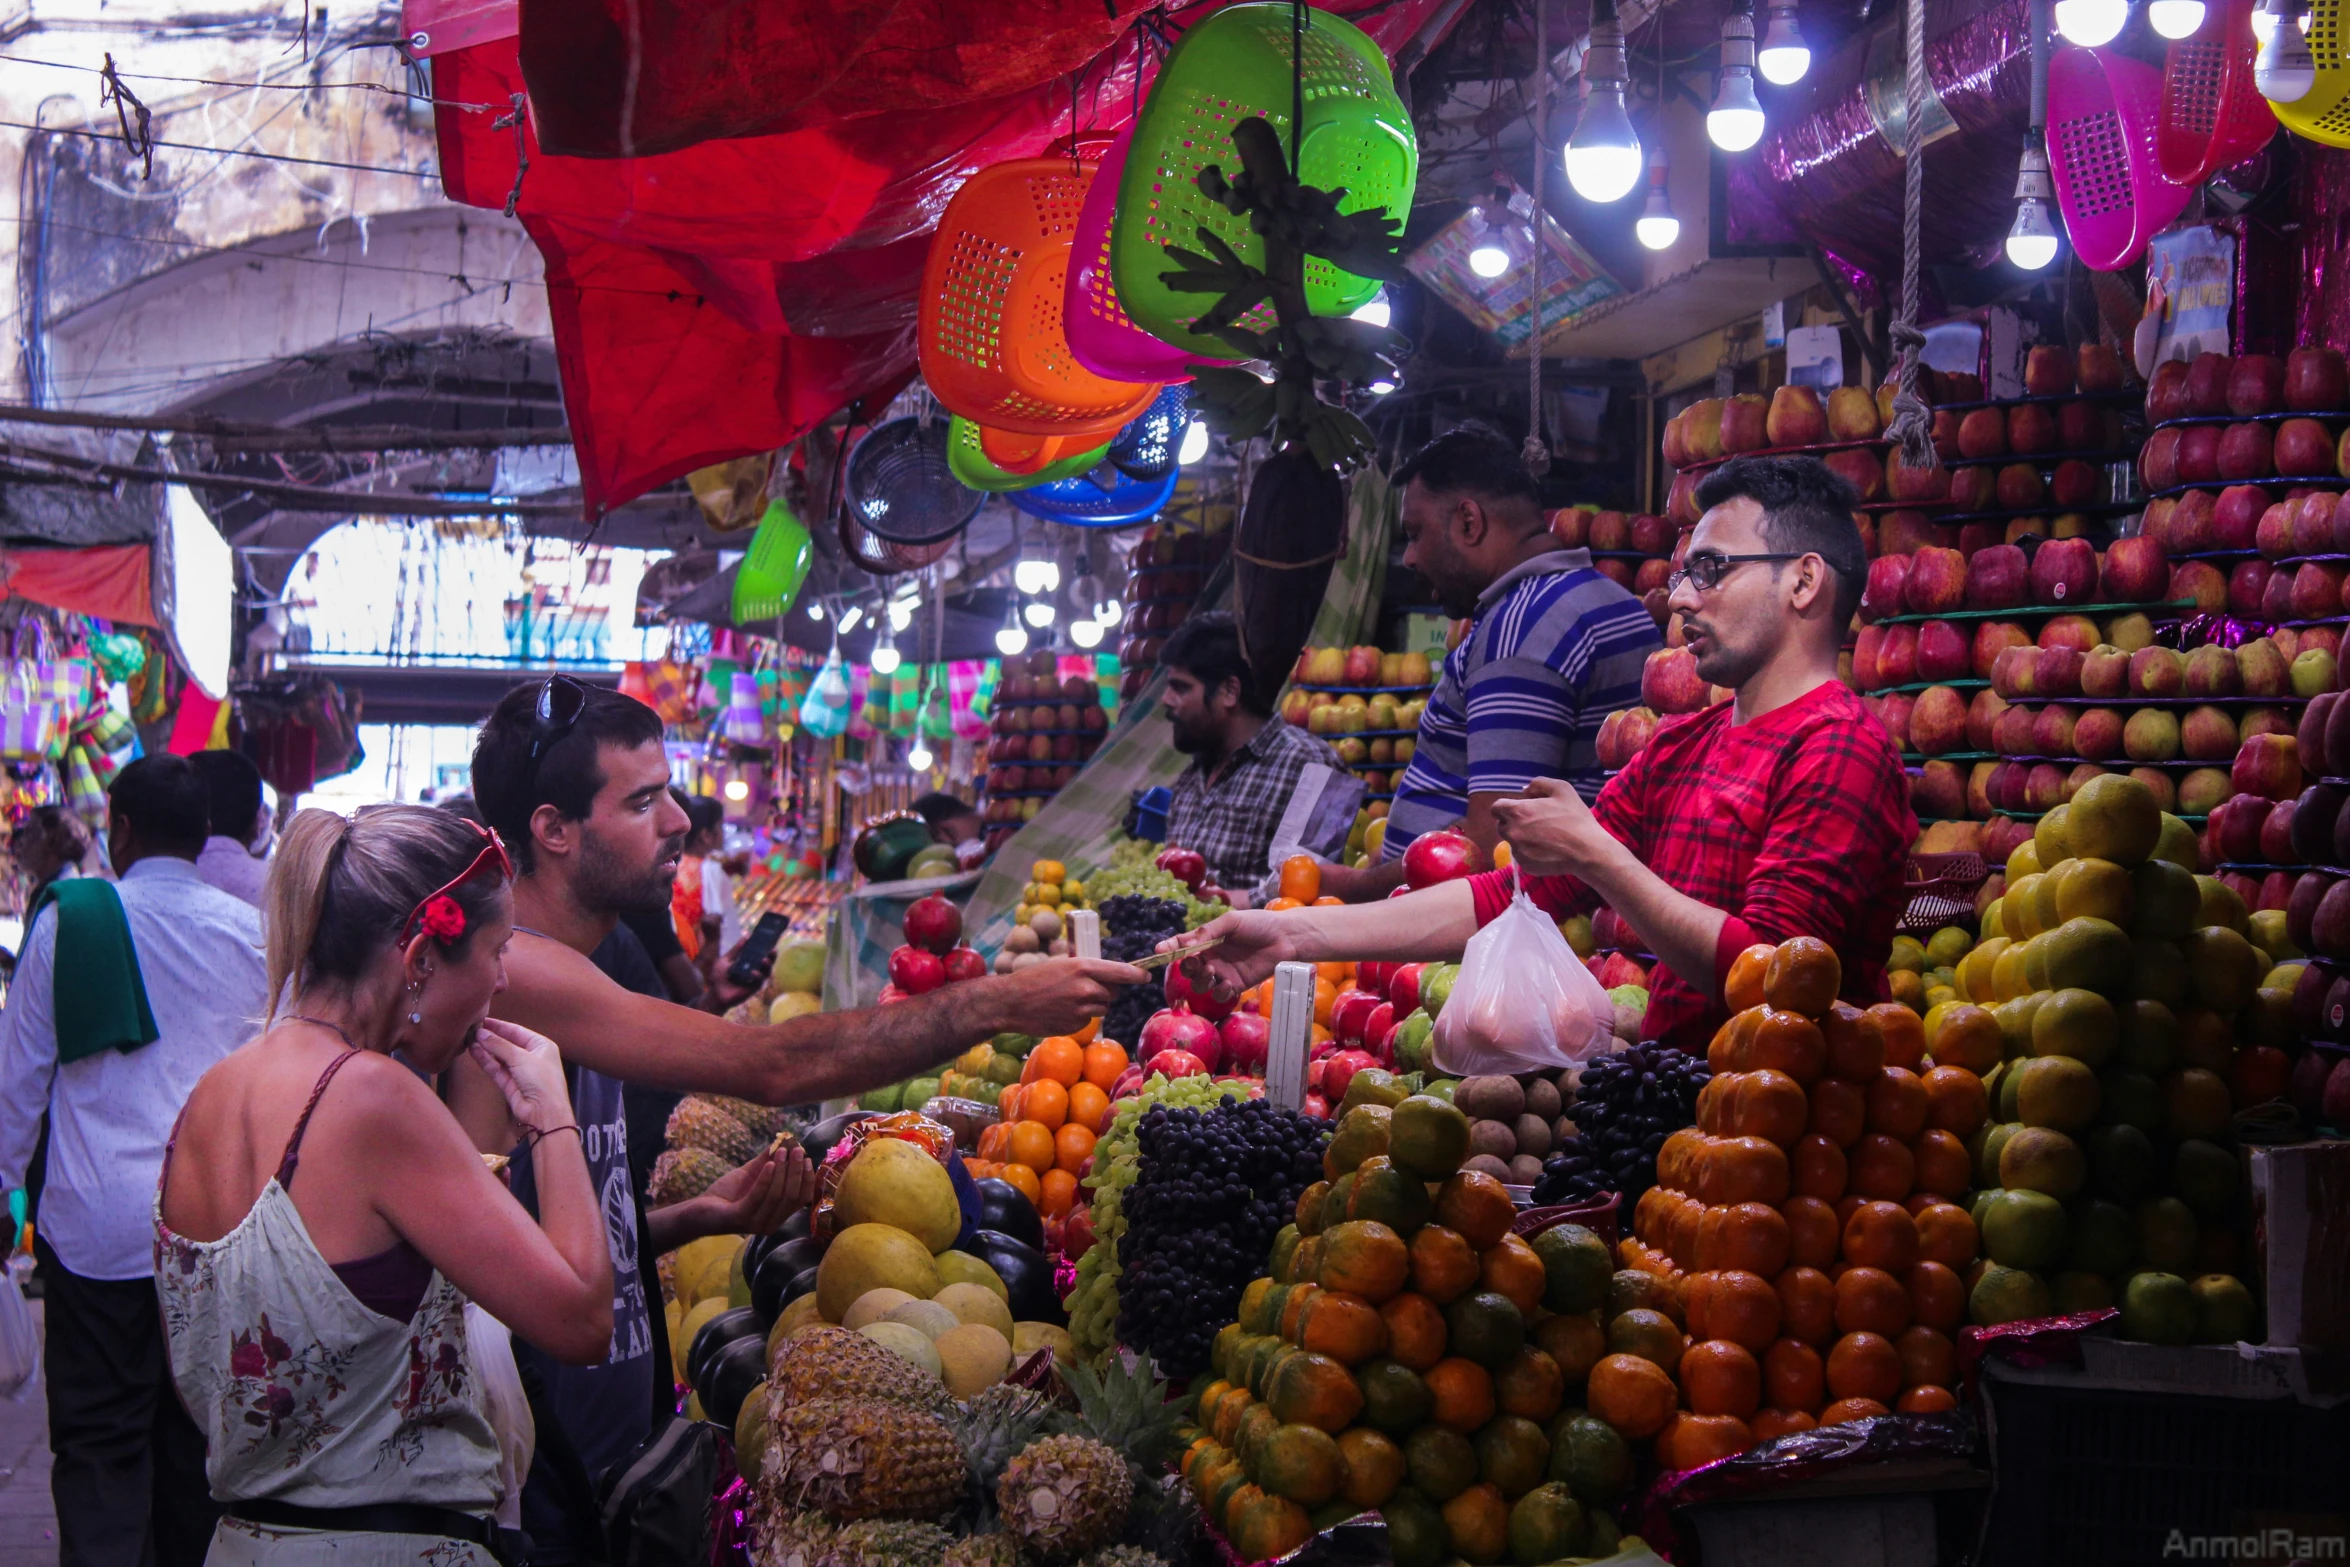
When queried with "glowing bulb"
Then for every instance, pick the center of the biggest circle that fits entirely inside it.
(1380, 387)
(815, 612)
(1785, 57)
(2031, 242)
(1603, 156)
(737, 790)
(920, 758)
(1735, 122)
(2284, 70)
(2091, 23)
(1085, 633)
(1374, 311)
(1036, 576)
(852, 620)
(2264, 22)
(1657, 227)
(885, 658)
(1489, 260)
(1195, 443)
(2175, 18)
(1011, 639)
(1108, 612)
(901, 614)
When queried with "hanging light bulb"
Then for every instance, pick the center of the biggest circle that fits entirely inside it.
(2264, 22)
(1735, 122)
(885, 651)
(1108, 612)
(919, 758)
(815, 612)
(1657, 227)
(1195, 443)
(2284, 70)
(736, 790)
(1011, 638)
(1380, 387)
(1785, 58)
(1036, 576)
(2175, 19)
(2091, 23)
(1038, 613)
(1085, 633)
(853, 619)
(2032, 240)
(1490, 258)
(1603, 156)
(1374, 311)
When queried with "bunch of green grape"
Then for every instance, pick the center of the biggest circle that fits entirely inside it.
(1148, 881)
(1117, 1164)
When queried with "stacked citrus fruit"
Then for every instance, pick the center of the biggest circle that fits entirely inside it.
(1808, 1228)
(1050, 1119)
(1408, 1353)
(2107, 1007)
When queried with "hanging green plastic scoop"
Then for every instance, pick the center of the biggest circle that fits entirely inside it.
(770, 575)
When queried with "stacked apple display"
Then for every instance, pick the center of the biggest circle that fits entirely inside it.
(1168, 568)
(2040, 464)
(1636, 550)
(1366, 703)
(1043, 728)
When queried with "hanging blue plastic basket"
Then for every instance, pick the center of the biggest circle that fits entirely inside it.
(1146, 449)
(1104, 498)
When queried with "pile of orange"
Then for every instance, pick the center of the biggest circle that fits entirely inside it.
(1808, 1228)
(1330, 980)
(1048, 1121)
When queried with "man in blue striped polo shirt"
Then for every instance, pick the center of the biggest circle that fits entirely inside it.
(1554, 648)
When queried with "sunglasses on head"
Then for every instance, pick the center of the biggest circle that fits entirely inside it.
(561, 701)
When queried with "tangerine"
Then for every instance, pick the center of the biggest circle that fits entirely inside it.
(1374, 1466)
(1477, 1523)
(1364, 1256)
(1769, 1104)
(1105, 1060)
(1785, 1042)
(1741, 1307)
(1056, 1193)
(1946, 1234)
(1509, 1268)
(1476, 1206)
(1463, 1393)
(1807, 1305)
(1573, 1340)
(1897, 1103)
(1956, 1100)
(1851, 1409)
(1056, 1058)
(1927, 1357)
(1925, 1399)
(1021, 1177)
(1649, 1334)
(1856, 1049)
(1301, 878)
(1698, 1440)
(1803, 976)
(1968, 1037)
(1839, 1111)
(1881, 1235)
(1300, 1462)
(1817, 1168)
(1742, 1169)
(1343, 1326)
(1719, 1377)
(1748, 1235)
(1032, 1145)
(1532, 1386)
(1937, 1295)
(1261, 1525)
(1881, 1166)
(1771, 1424)
(1072, 1146)
(1870, 1300)
(1813, 1233)
(1941, 1164)
(1415, 1330)
(1794, 1377)
(1313, 1390)
(1443, 1266)
(1632, 1394)
(1045, 1102)
(1089, 1107)
(1903, 1032)
(1864, 1365)
(1742, 987)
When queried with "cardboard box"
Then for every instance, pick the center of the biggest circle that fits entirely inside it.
(2301, 1242)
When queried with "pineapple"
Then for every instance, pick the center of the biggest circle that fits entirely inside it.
(864, 1459)
(834, 1363)
(793, 1539)
(1124, 1556)
(1125, 1407)
(680, 1173)
(984, 1550)
(892, 1542)
(1065, 1496)
(764, 1122)
(700, 1121)
(993, 1425)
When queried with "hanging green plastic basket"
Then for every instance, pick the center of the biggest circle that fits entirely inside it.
(770, 575)
(1234, 65)
(980, 472)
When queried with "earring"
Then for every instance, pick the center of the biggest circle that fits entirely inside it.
(414, 1016)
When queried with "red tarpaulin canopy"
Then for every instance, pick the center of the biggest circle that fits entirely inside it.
(761, 270)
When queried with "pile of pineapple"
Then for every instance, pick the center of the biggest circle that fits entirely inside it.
(862, 1459)
(710, 1134)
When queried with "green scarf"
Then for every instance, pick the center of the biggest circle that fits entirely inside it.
(99, 1000)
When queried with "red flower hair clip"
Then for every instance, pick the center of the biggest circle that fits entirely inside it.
(441, 918)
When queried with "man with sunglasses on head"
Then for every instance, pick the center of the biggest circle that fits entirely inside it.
(575, 780)
(1781, 812)
(1553, 648)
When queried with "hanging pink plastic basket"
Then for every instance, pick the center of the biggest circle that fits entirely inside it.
(2212, 116)
(2102, 109)
(1104, 340)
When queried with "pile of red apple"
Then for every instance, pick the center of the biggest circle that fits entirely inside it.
(1669, 685)
(1169, 565)
(933, 954)
(2248, 389)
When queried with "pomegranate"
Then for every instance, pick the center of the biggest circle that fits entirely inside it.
(1338, 1070)
(1403, 989)
(1182, 1031)
(1350, 1012)
(1177, 1063)
(963, 963)
(933, 924)
(1246, 1038)
(916, 972)
(1182, 992)
(1379, 1033)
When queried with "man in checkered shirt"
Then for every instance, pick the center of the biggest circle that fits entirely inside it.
(1257, 790)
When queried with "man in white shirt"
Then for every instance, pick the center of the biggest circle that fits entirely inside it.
(128, 1481)
(722, 923)
(232, 786)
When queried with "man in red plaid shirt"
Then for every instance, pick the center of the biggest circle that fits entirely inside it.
(1782, 812)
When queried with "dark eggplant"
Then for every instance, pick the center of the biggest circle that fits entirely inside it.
(1006, 1209)
(732, 1375)
(802, 1283)
(824, 1134)
(794, 1227)
(771, 1283)
(716, 1334)
(1028, 1277)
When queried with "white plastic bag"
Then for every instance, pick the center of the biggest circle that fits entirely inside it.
(20, 1337)
(1523, 1001)
(506, 1405)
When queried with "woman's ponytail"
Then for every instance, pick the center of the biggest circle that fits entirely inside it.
(293, 897)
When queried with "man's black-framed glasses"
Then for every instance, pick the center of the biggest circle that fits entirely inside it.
(1708, 569)
(561, 701)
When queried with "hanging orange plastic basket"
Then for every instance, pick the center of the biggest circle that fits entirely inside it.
(2212, 117)
(993, 345)
(2323, 114)
(1234, 65)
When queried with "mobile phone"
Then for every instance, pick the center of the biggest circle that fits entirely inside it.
(757, 953)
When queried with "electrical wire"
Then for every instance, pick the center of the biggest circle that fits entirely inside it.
(233, 152)
(207, 81)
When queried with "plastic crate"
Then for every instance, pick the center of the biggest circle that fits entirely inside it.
(1939, 890)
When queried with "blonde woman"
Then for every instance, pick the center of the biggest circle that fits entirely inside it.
(322, 1219)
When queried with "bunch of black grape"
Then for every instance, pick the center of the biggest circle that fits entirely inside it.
(1213, 1190)
(1627, 1104)
(1132, 927)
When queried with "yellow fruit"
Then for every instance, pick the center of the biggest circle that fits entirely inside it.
(2057, 1091)
(2094, 889)
(2076, 1023)
(1907, 956)
(1993, 921)
(2221, 905)
(2023, 860)
(1974, 973)
(2223, 969)
(795, 1318)
(976, 1303)
(2177, 843)
(960, 1267)
(2113, 817)
(703, 1267)
(872, 1306)
(869, 1257)
(1947, 946)
(1029, 1337)
(895, 1182)
(794, 1003)
(911, 1345)
(2017, 904)
(927, 1316)
(2050, 837)
(2008, 980)
(2041, 1159)
(972, 1356)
